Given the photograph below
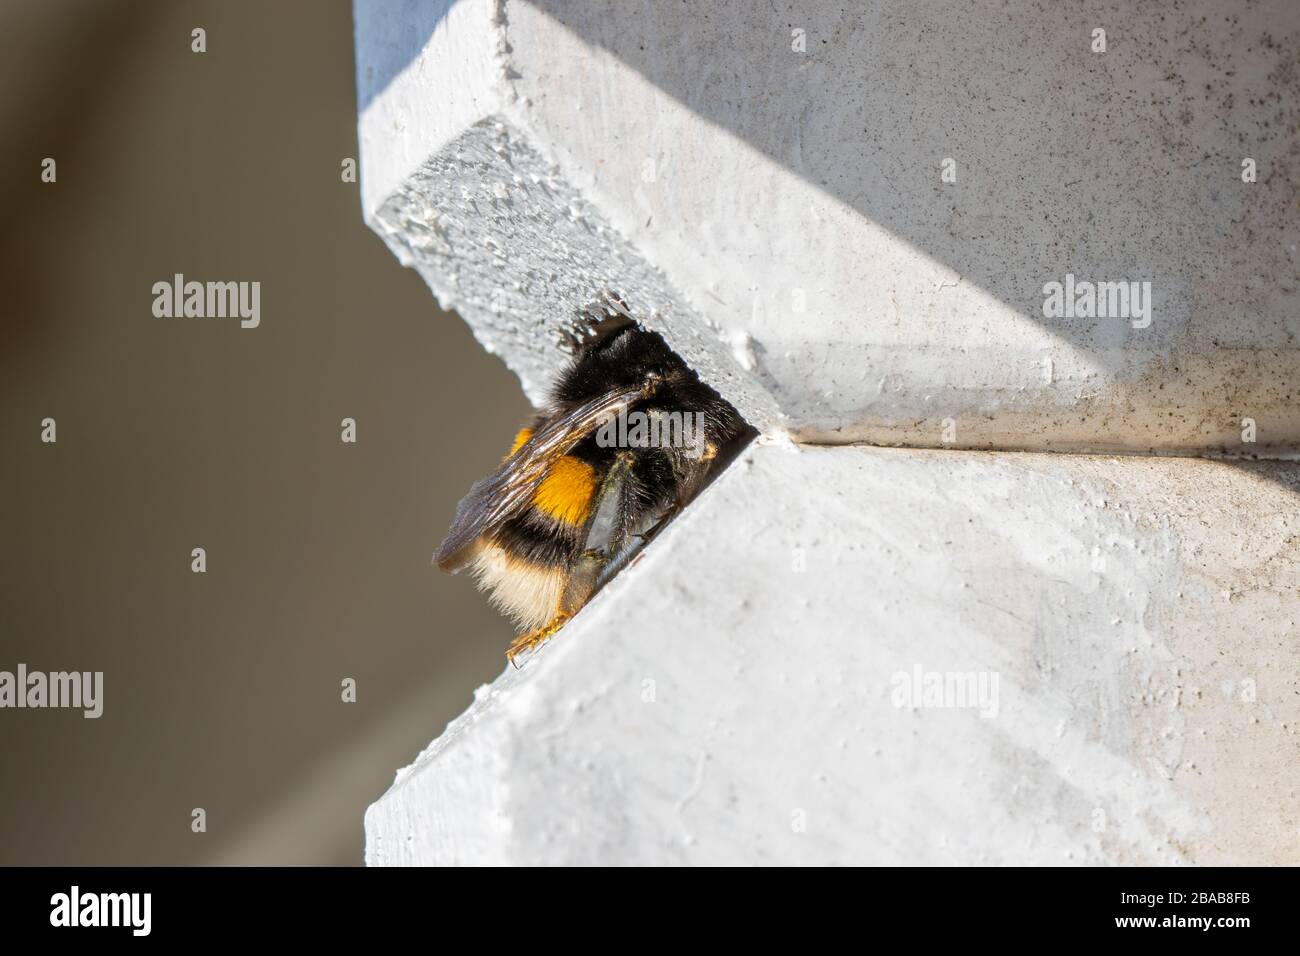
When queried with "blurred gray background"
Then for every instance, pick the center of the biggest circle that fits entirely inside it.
(222, 690)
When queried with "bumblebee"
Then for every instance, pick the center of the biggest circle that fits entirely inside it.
(629, 436)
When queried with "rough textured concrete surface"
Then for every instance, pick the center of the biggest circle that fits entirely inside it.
(849, 219)
(764, 183)
(735, 696)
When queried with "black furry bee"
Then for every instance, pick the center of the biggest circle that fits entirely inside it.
(629, 436)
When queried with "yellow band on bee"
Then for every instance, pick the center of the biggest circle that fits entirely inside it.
(523, 436)
(566, 491)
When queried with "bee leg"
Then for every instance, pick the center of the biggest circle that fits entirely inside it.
(668, 515)
(606, 536)
(687, 490)
(526, 642)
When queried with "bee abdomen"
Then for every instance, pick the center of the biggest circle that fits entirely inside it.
(566, 492)
(525, 564)
(527, 591)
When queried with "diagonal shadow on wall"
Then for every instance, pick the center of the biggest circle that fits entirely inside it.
(1111, 166)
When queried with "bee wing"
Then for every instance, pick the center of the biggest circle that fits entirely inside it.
(506, 492)
(609, 541)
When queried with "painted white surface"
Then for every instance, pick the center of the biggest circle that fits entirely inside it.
(781, 217)
(1141, 616)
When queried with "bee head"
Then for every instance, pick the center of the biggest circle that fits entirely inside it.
(626, 357)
